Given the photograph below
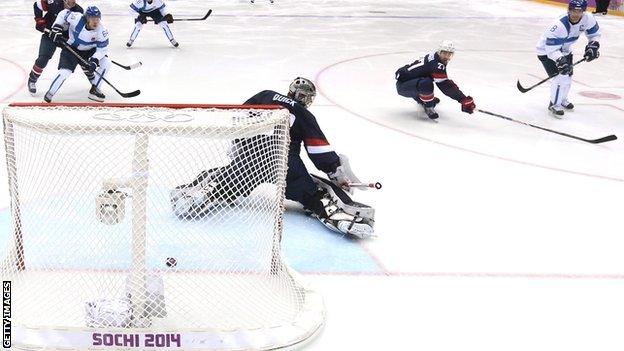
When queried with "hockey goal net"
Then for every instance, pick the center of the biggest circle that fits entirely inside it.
(151, 227)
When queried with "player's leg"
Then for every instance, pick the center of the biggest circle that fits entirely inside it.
(66, 66)
(602, 6)
(139, 21)
(90, 75)
(46, 50)
(557, 85)
(566, 83)
(95, 93)
(421, 90)
(161, 20)
(225, 185)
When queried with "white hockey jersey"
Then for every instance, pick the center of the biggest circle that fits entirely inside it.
(142, 6)
(80, 37)
(560, 36)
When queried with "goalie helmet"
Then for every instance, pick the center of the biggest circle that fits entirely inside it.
(302, 90)
(446, 45)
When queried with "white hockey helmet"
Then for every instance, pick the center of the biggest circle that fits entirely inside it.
(446, 45)
(302, 90)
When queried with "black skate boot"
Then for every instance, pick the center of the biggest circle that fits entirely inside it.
(96, 95)
(567, 105)
(557, 111)
(32, 87)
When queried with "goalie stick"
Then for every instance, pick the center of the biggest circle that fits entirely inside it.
(191, 19)
(376, 185)
(591, 141)
(524, 90)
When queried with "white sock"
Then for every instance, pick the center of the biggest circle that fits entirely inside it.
(559, 89)
(165, 28)
(135, 31)
(58, 81)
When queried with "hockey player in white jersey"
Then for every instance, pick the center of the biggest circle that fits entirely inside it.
(89, 39)
(554, 51)
(156, 10)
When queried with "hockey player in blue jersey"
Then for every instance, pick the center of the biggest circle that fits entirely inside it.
(416, 81)
(554, 51)
(324, 199)
(45, 15)
(154, 9)
(89, 39)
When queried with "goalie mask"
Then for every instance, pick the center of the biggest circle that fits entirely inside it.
(302, 90)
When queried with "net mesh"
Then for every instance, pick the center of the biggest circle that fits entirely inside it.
(152, 219)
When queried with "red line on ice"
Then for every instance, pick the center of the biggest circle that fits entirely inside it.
(23, 82)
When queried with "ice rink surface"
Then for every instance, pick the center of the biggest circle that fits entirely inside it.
(492, 235)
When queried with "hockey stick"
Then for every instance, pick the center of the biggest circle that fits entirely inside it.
(132, 66)
(376, 185)
(84, 63)
(191, 19)
(524, 90)
(592, 141)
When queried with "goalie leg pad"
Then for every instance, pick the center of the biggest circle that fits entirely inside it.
(340, 213)
(189, 201)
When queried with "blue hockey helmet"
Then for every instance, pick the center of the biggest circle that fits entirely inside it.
(93, 11)
(577, 5)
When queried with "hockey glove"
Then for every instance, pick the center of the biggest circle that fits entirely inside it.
(169, 18)
(468, 105)
(340, 178)
(40, 24)
(56, 34)
(93, 64)
(343, 175)
(141, 18)
(591, 51)
(564, 66)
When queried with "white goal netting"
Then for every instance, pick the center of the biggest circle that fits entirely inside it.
(151, 227)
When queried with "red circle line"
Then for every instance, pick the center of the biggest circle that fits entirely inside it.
(319, 78)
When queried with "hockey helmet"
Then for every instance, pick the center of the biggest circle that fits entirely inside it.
(446, 45)
(577, 5)
(93, 11)
(302, 90)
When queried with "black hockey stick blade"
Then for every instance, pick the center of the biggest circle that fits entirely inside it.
(132, 66)
(130, 94)
(603, 140)
(197, 19)
(191, 19)
(592, 141)
(521, 88)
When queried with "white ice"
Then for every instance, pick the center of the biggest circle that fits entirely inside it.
(492, 235)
